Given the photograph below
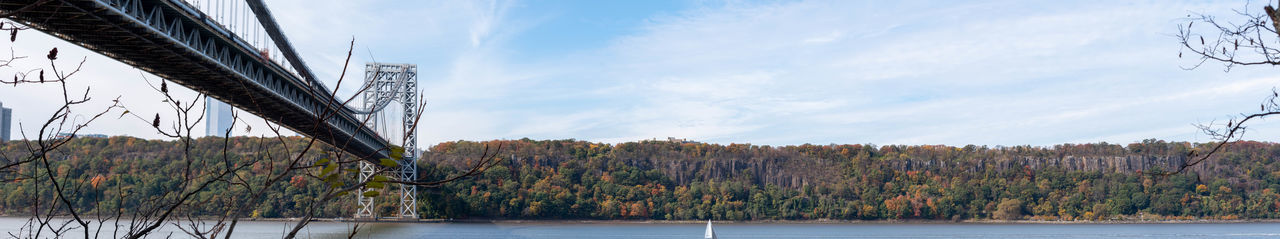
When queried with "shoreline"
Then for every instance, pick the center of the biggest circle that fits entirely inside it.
(816, 222)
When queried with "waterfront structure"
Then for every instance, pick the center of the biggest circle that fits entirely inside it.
(6, 119)
(217, 116)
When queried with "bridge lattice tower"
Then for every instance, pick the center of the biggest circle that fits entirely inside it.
(389, 83)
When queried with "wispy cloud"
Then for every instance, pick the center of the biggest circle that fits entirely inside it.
(992, 72)
(1003, 72)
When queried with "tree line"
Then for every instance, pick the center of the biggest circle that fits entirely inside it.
(681, 180)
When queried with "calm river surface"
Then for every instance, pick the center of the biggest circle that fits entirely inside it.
(745, 230)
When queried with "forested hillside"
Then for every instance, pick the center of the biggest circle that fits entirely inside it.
(688, 180)
(566, 179)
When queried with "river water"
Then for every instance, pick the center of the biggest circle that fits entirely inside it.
(261, 229)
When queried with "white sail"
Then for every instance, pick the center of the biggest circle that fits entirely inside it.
(711, 234)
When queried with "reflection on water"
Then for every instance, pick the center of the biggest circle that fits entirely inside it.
(261, 229)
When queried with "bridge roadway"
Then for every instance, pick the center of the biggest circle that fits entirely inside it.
(174, 40)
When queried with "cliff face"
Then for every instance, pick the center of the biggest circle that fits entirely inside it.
(1106, 164)
(795, 166)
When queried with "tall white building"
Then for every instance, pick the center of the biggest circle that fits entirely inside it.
(6, 118)
(217, 116)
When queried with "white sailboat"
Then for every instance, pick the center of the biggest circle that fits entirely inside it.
(711, 233)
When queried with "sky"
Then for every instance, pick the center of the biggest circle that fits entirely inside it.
(759, 72)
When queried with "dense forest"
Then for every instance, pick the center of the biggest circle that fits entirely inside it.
(680, 180)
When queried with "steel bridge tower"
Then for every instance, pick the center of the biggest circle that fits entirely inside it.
(386, 83)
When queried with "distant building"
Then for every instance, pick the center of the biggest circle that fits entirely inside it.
(6, 118)
(217, 116)
(679, 140)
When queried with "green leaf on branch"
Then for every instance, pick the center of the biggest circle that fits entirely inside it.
(328, 168)
(388, 163)
(370, 194)
(322, 161)
(333, 180)
(397, 152)
(375, 184)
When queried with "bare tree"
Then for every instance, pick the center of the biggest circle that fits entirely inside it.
(1251, 40)
(60, 127)
(179, 206)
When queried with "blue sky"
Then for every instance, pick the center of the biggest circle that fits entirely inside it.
(777, 73)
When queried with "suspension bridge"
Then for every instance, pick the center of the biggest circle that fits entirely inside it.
(234, 51)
